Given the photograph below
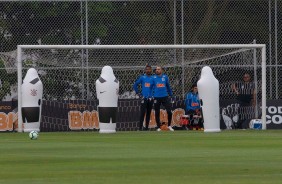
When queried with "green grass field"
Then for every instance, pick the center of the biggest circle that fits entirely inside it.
(143, 157)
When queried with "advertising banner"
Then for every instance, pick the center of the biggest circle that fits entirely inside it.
(82, 115)
(274, 114)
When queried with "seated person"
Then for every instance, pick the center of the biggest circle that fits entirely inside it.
(193, 109)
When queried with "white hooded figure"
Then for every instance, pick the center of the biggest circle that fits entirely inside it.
(107, 88)
(208, 87)
(32, 91)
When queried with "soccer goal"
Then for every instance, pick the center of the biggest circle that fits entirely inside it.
(69, 72)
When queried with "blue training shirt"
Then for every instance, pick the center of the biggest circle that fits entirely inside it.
(192, 101)
(146, 84)
(161, 87)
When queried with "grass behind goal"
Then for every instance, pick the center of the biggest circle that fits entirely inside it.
(142, 157)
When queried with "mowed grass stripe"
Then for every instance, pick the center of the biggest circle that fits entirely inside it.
(142, 157)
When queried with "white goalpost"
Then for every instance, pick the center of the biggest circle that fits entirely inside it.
(180, 61)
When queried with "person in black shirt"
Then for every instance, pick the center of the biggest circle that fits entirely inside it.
(246, 96)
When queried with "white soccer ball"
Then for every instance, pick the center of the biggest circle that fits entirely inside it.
(33, 135)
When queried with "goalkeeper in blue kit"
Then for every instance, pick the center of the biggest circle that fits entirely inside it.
(161, 92)
(193, 108)
(146, 82)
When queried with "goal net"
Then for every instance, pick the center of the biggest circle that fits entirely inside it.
(69, 72)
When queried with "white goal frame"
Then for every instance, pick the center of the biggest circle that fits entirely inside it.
(203, 46)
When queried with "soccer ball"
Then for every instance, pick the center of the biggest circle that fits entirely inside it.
(33, 135)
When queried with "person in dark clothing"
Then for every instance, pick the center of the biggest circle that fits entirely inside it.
(146, 82)
(161, 92)
(246, 97)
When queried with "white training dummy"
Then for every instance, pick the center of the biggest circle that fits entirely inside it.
(32, 91)
(208, 88)
(107, 88)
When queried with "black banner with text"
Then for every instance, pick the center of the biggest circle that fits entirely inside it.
(82, 115)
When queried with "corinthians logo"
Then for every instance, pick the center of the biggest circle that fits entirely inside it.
(33, 92)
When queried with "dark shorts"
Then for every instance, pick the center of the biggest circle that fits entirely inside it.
(106, 113)
(30, 114)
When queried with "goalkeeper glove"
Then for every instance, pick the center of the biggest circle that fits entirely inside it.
(140, 95)
(172, 99)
